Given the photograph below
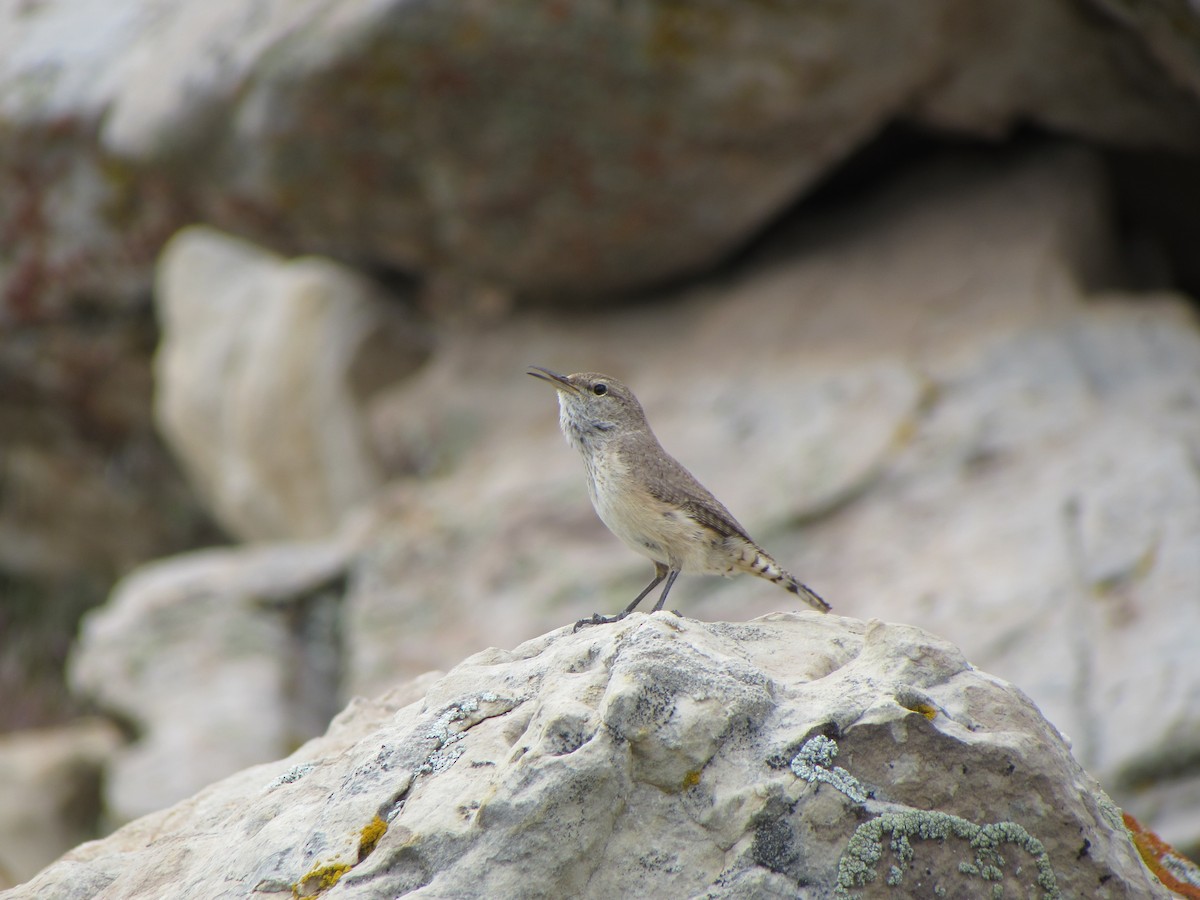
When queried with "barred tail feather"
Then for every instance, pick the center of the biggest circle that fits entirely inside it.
(764, 567)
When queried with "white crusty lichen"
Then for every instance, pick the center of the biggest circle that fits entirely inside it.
(452, 725)
(814, 763)
(295, 773)
(865, 849)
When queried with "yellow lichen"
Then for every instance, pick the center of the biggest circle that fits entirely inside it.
(322, 878)
(371, 834)
(928, 711)
(319, 880)
(915, 701)
(691, 779)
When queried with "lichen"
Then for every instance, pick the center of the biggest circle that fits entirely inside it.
(322, 877)
(370, 836)
(691, 779)
(447, 733)
(1111, 812)
(1173, 869)
(814, 764)
(295, 773)
(319, 880)
(912, 699)
(864, 850)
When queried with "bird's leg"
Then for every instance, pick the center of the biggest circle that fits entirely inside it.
(660, 572)
(666, 590)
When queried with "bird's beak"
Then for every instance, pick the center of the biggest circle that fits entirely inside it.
(561, 382)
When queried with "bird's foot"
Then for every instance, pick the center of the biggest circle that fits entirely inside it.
(597, 619)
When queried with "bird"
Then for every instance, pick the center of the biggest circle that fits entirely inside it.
(648, 500)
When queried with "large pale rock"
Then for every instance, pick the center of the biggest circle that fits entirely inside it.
(218, 660)
(263, 375)
(50, 793)
(925, 414)
(431, 129)
(928, 406)
(795, 755)
(736, 111)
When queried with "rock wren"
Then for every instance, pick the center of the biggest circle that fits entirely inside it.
(647, 499)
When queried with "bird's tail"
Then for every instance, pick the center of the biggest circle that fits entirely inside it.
(758, 562)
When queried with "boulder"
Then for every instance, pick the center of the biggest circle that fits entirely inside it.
(263, 378)
(432, 128)
(215, 660)
(447, 120)
(939, 399)
(794, 755)
(928, 398)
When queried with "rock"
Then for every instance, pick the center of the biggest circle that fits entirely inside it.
(1034, 57)
(931, 404)
(78, 224)
(919, 399)
(129, 121)
(217, 660)
(86, 489)
(50, 793)
(264, 374)
(795, 755)
(737, 113)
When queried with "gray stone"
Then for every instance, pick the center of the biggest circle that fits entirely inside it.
(656, 756)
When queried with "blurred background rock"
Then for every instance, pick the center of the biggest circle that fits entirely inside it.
(911, 288)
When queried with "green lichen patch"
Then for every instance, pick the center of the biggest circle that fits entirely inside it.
(814, 763)
(866, 848)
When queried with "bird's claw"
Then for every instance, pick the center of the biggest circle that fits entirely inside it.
(597, 619)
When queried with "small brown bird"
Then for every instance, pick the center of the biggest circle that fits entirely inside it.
(647, 499)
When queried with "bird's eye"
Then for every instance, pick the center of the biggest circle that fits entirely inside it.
(599, 388)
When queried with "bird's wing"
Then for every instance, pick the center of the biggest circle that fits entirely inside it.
(668, 481)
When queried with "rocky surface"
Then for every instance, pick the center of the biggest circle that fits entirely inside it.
(447, 142)
(264, 379)
(220, 659)
(431, 128)
(87, 490)
(942, 417)
(946, 395)
(794, 755)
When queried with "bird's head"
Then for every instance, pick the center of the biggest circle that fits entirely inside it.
(592, 407)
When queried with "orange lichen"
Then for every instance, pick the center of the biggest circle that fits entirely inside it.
(1174, 870)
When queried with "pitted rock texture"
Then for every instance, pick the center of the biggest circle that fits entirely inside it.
(794, 755)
